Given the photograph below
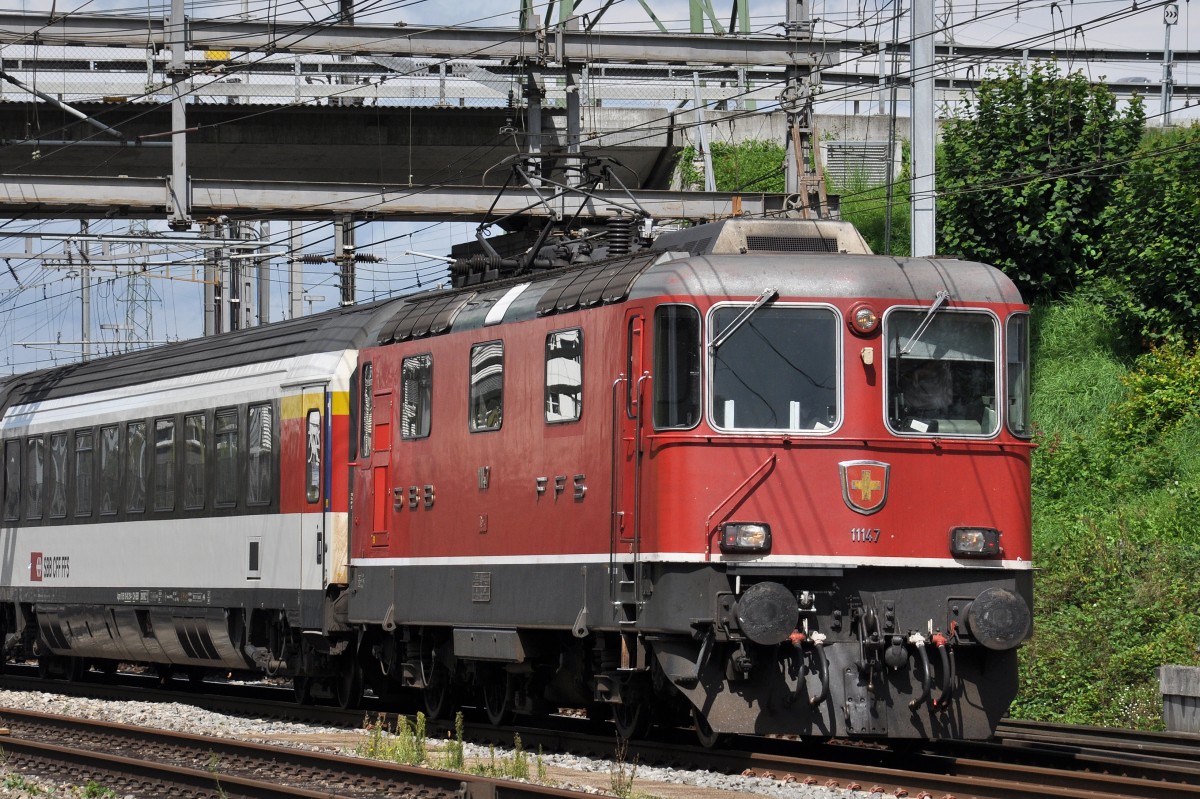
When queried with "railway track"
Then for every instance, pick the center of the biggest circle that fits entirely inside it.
(153, 762)
(1024, 760)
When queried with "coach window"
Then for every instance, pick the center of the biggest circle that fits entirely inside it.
(564, 375)
(58, 476)
(135, 467)
(85, 468)
(676, 367)
(12, 480)
(1017, 375)
(941, 372)
(110, 470)
(35, 457)
(225, 430)
(312, 472)
(774, 368)
(366, 399)
(164, 464)
(416, 396)
(260, 447)
(487, 386)
(195, 447)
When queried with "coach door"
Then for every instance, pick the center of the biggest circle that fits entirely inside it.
(629, 410)
(314, 545)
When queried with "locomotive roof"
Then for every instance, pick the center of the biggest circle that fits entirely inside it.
(835, 276)
(655, 273)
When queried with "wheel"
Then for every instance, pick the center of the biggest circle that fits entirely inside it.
(632, 719)
(705, 734)
(195, 676)
(45, 667)
(302, 690)
(348, 688)
(77, 669)
(498, 696)
(439, 696)
(165, 673)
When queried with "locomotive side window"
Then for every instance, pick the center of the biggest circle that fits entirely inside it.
(416, 402)
(164, 464)
(85, 468)
(260, 448)
(774, 368)
(366, 411)
(486, 410)
(1016, 376)
(195, 448)
(564, 375)
(12, 480)
(135, 467)
(942, 378)
(225, 430)
(34, 476)
(676, 367)
(58, 476)
(110, 470)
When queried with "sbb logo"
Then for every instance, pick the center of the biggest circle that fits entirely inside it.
(48, 567)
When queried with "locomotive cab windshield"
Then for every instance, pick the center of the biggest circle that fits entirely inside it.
(942, 375)
(776, 369)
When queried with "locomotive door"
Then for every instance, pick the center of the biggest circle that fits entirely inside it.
(629, 407)
(314, 569)
(381, 458)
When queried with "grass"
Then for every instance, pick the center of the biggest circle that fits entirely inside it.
(405, 742)
(1115, 480)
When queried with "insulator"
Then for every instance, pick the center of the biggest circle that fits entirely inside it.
(481, 262)
(311, 258)
(620, 235)
(366, 258)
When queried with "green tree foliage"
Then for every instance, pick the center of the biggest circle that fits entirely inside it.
(1152, 235)
(1029, 169)
(753, 165)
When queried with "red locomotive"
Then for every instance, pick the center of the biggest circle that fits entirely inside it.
(749, 477)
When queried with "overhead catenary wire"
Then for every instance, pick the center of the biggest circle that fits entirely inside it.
(648, 127)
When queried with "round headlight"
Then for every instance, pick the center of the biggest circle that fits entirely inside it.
(863, 319)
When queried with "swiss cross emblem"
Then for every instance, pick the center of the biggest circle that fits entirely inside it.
(864, 485)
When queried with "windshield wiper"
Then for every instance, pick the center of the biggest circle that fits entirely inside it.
(939, 299)
(742, 318)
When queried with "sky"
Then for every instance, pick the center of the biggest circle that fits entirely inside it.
(40, 302)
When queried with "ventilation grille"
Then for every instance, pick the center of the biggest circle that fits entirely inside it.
(852, 163)
(791, 244)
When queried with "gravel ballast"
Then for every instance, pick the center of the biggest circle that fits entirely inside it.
(566, 771)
